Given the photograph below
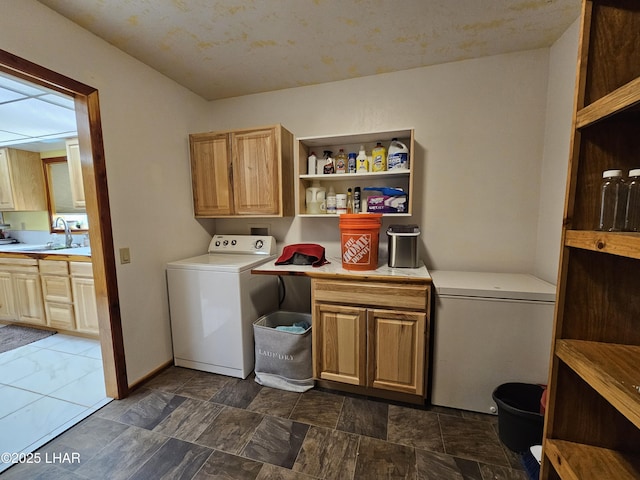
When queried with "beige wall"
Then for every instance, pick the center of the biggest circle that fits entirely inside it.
(555, 160)
(480, 133)
(479, 130)
(145, 119)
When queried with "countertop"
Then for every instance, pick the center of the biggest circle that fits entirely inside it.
(17, 250)
(334, 270)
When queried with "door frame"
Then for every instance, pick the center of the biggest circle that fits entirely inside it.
(94, 179)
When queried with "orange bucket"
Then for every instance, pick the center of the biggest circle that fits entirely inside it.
(359, 237)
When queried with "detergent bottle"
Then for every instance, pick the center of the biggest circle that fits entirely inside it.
(379, 158)
(397, 156)
(362, 162)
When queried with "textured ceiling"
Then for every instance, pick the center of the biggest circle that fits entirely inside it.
(227, 48)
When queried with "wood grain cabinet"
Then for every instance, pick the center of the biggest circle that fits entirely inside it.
(84, 297)
(242, 173)
(373, 335)
(20, 291)
(56, 293)
(21, 181)
(592, 425)
(74, 165)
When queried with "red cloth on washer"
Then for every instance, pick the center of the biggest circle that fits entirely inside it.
(302, 254)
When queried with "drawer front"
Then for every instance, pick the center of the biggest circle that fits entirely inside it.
(54, 267)
(60, 315)
(377, 294)
(81, 269)
(56, 288)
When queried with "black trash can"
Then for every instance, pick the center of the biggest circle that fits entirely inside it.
(520, 422)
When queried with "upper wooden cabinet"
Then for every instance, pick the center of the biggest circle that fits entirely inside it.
(75, 173)
(243, 173)
(21, 181)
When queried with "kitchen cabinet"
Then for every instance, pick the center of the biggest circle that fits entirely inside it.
(21, 181)
(56, 293)
(20, 291)
(592, 424)
(84, 297)
(401, 178)
(75, 173)
(242, 173)
(371, 334)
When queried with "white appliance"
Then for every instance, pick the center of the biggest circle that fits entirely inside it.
(214, 300)
(489, 329)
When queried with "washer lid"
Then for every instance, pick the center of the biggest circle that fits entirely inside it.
(221, 262)
(515, 286)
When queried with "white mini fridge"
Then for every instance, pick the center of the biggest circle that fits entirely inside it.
(489, 329)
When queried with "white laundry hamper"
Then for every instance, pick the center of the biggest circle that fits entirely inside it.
(283, 359)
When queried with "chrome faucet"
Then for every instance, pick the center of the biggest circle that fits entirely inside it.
(68, 239)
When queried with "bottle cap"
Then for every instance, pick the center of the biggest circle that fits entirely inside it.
(611, 173)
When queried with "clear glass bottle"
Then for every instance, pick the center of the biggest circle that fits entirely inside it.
(632, 214)
(613, 200)
(349, 201)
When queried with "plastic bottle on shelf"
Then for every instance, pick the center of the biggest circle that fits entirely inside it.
(356, 200)
(379, 157)
(362, 162)
(613, 200)
(397, 155)
(329, 165)
(311, 164)
(349, 201)
(632, 213)
(331, 201)
(341, 162)
(341, 203)
(351, 163)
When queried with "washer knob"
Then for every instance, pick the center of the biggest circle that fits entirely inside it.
(225, 242)
(233, 242)
(217, 243)
(259, 244)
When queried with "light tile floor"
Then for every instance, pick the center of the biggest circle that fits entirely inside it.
(47, 387)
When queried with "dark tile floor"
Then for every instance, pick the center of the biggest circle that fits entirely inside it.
(185, 424)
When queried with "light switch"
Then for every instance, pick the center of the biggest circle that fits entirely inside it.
(125, 256)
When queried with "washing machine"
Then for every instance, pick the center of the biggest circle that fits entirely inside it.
(214, 300)
(489, 329)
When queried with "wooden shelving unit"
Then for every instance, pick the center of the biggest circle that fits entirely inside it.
(592, 426)
(402, 179)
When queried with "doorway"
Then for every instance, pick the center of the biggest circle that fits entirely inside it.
(94, 177)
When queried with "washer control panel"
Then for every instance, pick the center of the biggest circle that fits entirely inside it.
(243, 244)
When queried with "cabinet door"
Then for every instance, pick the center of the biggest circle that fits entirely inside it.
(256, 172)
(211, 175)
(85, 305)
(75, 173)
(28, 296)
(6, 186)
(396, 350)
(7, 305)
(339, 344)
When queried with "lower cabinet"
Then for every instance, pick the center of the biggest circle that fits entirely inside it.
(84, 297)
(373, 335)
(56, 293)
(20, 291)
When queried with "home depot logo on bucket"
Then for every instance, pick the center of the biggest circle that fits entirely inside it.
(356, 248)
(359, 235)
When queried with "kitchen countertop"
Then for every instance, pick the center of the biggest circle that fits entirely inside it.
(16, 250)
(334, 270)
